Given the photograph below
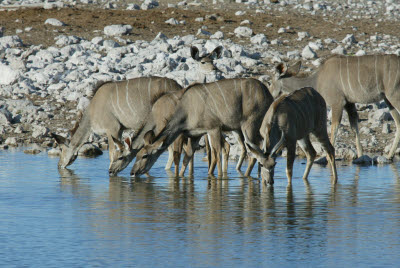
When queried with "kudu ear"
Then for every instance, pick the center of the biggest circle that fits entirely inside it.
(281, 68)
(60, 139)
(217, 52)
(119, 145)
(294, 69)
(253, 149)
(255, 152)
(194, 52)
(128, 142)
(75, 127)
(161, 141)
(148, 138)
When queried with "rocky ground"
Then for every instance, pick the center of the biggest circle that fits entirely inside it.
(52, 53)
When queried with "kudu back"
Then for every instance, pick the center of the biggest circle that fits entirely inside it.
(346, 80)
(117, 106)
(226, 105)
(291, 118)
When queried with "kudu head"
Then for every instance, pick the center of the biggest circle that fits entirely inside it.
(121, 156)
(206, 62)
(265, 160)
(282, 71)
(148, 155)
(68, 153)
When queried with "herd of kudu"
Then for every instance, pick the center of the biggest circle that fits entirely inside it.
(163, 115)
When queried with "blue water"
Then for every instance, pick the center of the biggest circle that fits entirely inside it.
(83, 218)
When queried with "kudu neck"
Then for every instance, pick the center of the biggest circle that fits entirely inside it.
(82, 133)
(293, 83)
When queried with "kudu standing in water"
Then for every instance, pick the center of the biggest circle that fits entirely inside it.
(226, 105)
(162, 110)
(117, 106)
(346, 80)
(290, 118)
(207, 65)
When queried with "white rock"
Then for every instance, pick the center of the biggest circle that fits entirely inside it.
(302, 35)
(10, 42)
(316, 45)
(240, 13)
(117, 30)
(259, 39)
(54, 22)
(11, 141)
(381, 160)
(172, 21)
(242, 31)
(361, 53)
(217, 35)
(89, 150)
(40, 131)
(5, 117)
(83, 103)
(7, 75)
(282, 30)
(349, 39)
(149, 4)
(308, 53)
(203, 32)
(339, 50)
(54, 152)
(133, 7)
(295, 54)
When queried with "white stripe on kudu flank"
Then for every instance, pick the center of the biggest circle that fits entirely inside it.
(113, 106)
(397, 73)
(223, 96)
(119, 107)
(340, 73)
(348, 76)
(388, 84)
(211, 96)
(148, 88)
(376, 75)
(359, 81)
(235, 87)
(140, 94)
(127, 98)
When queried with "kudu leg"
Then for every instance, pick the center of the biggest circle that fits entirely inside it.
(308, 149)
(250, 132)
(170, 158)
(353, 118)
(291, 154)
(177, 152)
(395, 112)
(189, 149)
(240, 139)
(215, 137)
(225, 154)
(337, 113)
(208, 150)
(330, 151)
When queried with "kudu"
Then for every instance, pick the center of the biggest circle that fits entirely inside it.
(290, 118)
(226, 105)
(117, 106)
(346, 80)
(164, 107)
(206, 65)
